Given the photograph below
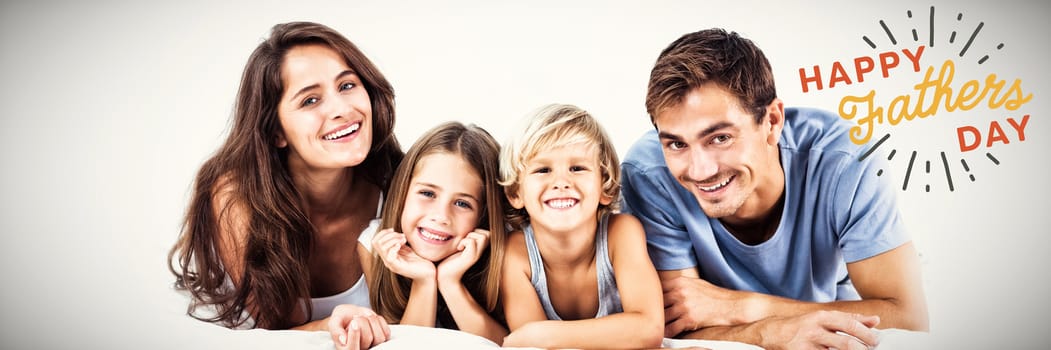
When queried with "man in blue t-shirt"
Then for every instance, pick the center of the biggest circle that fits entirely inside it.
(767, 225)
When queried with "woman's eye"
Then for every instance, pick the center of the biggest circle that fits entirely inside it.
(309, 101)
(346, 86)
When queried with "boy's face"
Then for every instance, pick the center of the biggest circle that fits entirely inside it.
(719, 153)
(561, 188)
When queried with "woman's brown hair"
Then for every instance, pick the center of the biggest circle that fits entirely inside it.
(255, 173)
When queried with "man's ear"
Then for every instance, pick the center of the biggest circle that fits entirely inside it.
(774, 121)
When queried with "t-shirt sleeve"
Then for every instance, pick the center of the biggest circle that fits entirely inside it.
(648, 197)
(366, 236)
(867, 213)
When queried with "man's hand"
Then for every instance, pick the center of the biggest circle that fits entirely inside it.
(693, 303)
(820, 330)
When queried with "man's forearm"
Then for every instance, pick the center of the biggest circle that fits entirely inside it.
(893, 313)
(822, 329)
(744, 333)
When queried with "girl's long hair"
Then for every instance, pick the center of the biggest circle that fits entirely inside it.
(389, 292)
(279, 235)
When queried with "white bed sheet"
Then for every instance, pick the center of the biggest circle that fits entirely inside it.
(191, 333)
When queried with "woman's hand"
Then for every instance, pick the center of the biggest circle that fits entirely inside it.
(451, 269)
(356, 327)
(400, 258)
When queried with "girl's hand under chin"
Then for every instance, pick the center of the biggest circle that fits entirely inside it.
(399, 257)
(470, 249)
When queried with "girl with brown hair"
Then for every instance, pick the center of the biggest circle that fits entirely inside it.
(437, 263)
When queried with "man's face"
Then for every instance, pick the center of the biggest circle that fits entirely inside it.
(719, 153)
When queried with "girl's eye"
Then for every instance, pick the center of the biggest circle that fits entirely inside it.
(543, 170)
(577, 168)
(463, 204)
(427, 193)
(346, 86)
(309, 101)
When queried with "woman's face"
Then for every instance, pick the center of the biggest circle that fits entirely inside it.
(325, 112)
(442, 205)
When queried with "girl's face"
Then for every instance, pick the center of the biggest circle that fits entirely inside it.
(442, 206)
(325, 112)
(561, 188)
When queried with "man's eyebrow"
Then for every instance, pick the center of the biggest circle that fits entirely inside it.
(704, 133)
(712, 129)
(668, 136)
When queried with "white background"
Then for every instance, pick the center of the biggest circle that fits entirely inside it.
(108, 108)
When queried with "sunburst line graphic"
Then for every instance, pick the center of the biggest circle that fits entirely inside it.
(965, 47)
(971, 40)
(948, 173)
(930, 33)
(915, 155)
(995, 161)
(908, 171)
(928, 171)
(887, 30)
(967, 168)
(869, 152)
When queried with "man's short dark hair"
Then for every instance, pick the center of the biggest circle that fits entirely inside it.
(711, 55)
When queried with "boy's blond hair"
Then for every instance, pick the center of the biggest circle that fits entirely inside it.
(554, 126)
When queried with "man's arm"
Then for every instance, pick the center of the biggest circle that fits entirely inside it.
(889, 284)
(696, 309)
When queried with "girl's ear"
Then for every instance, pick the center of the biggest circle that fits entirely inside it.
(605, 199)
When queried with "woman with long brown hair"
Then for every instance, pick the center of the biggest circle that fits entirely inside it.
(269, 237)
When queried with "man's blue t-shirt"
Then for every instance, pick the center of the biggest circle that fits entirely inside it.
(837, 210)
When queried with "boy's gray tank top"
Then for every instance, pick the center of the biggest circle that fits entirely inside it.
(608, 295)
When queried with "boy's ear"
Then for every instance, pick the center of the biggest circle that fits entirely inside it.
(513, 198)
